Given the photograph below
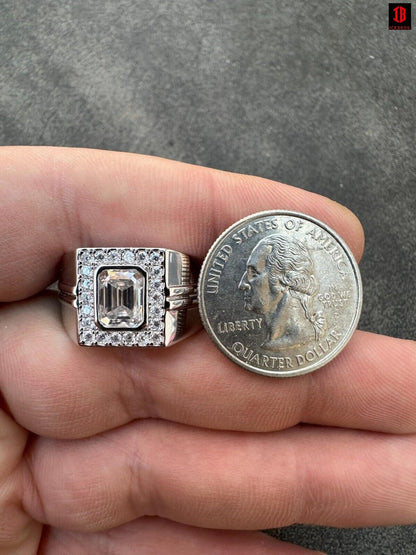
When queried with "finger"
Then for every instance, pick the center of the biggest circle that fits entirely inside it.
(73, 197)
(58, 389)
(18, 532)
(153, 536)
(223, 480)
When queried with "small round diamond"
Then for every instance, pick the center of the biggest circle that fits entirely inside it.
(156, 338)
(113, 256)
(141, 256)
(87, 322)
(86, 270)
(156, 312)
(157, 271)
(85, 256)
(87, 337)
(86, 283)
(158, 284)
(128, 256)
(99, 255)
(156, 326)
(157, 297)
(128, 338)
(143, 341)
(116, 338)
(102, 338)
(156, 257)
(86, 310)
(85, 298)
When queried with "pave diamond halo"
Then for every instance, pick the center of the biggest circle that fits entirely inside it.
(128, 296)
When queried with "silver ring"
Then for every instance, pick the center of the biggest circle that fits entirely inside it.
(128, 296)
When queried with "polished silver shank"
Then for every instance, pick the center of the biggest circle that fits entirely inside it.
(128, 296)
(280, 293)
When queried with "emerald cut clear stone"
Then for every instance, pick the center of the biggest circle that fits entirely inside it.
(121, 297)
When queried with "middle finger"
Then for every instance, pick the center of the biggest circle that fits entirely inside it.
(56, 388)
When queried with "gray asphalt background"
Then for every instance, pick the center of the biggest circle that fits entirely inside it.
(318, 94)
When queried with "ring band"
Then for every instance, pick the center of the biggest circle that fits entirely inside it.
(128, 296)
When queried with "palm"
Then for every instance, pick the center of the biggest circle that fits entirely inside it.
(117, 434)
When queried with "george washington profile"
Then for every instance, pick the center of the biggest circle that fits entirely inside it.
(279, 284)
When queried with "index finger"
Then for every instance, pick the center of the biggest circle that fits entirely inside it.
(53, 200)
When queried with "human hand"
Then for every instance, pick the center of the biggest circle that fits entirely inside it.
(111, 450)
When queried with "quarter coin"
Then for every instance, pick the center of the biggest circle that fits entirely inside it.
(280, 293)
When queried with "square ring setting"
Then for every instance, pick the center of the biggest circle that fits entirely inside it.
(128, 296)
(120, 296)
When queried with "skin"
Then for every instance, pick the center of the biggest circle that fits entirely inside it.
(283, 315)
(153, 450)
